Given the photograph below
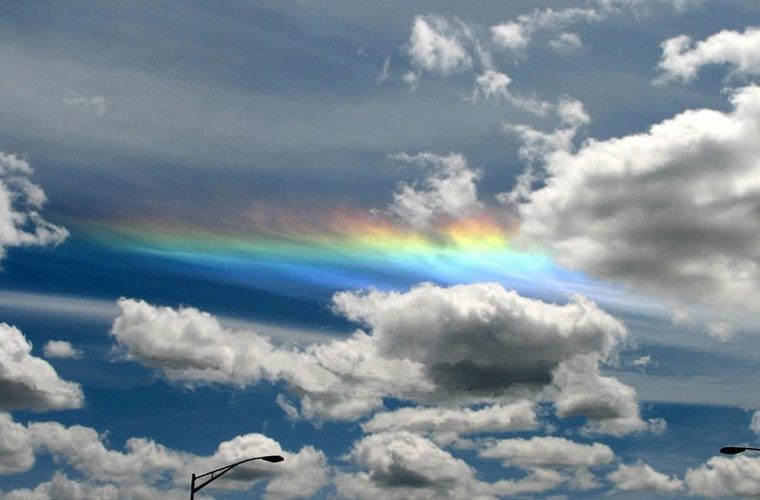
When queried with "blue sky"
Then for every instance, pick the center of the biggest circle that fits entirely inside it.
(422, 250)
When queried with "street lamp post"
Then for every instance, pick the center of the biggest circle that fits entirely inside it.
(217, 473)
(733, 450)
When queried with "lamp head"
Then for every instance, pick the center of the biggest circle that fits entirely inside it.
(732, 450)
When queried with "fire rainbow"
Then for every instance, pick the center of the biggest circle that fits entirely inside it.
(344, 250)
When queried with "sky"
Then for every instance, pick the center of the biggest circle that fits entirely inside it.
(419, 249)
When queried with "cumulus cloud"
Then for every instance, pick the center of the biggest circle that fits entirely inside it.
(436, 46)
(61, 487)
(29, 382)
(722, 476)
(16, 454)
(465, 344)
(20, 201)
(60, 349)
(402, 465)
(301, 475)
(147, 465)
(610, 406)
(682, 59)
(342, 380)
(547, 451)
(408, 460)
(449, 191)
(671, 210)
(642, 477)
(448, 424)
(481, 337)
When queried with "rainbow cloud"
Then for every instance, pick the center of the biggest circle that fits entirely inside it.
(298, 250)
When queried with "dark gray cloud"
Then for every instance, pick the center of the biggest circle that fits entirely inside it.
(482, 338)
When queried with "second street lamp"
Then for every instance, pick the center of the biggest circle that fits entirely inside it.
(217, 473)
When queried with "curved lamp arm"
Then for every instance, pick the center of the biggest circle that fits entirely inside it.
(217, 473)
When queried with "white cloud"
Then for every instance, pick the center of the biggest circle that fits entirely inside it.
(405, 459)
(448, 191)
(536, 481)
(20, 202)
(384, 71)
(343, 379)
(639, 7)
(60, 349)
(28, 382)
(481, 337)
(755, 423)
(61, 487)
(147, 465)
(412, 79)
(401, 465)
(566, 43)
(436, 46)
(538, 145)
(16, 454)
(189, 345)
(682, 59)
(510, 35)
(610, 406)
(10, 164)
(572, 113)
(95, 104)
(493, 85)
(447, 424)
(465, 344)
(671, 210)
(720, 330)
(721, 477)
(642, 361)
(301, 475)
(642, 477)
(547, 451)
(516, 34)
(83, 449)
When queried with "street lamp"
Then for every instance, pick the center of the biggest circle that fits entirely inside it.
(217, 473)
(733, 450)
